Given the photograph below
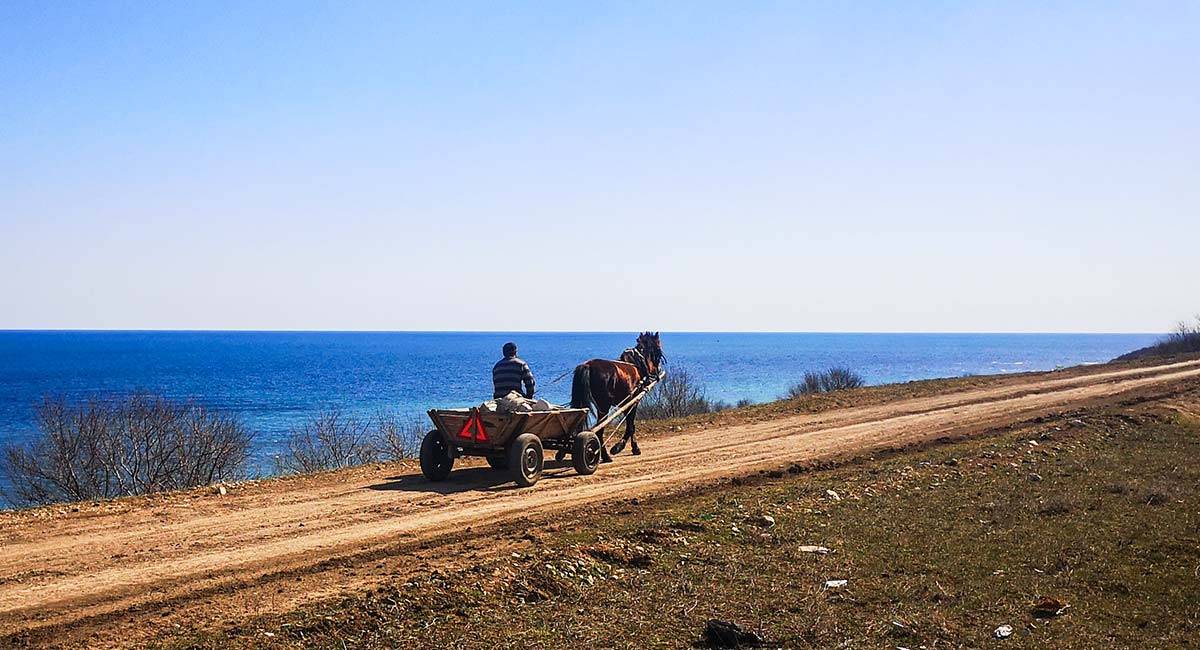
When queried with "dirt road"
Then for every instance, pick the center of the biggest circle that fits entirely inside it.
(108, 573)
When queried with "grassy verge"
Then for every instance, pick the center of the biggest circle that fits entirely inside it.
(881, 394)
(938, 547)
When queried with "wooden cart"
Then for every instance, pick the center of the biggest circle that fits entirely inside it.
(517, 441)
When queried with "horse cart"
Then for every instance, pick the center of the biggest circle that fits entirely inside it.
(517, 441)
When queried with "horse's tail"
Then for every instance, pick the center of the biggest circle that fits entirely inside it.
(581, 388)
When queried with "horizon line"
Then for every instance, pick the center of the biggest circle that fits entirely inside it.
(519, 331)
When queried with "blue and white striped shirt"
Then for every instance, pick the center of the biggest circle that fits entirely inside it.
(508, 374)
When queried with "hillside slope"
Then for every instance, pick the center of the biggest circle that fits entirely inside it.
(117, 573)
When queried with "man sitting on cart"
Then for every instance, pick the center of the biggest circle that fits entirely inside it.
(510, 373)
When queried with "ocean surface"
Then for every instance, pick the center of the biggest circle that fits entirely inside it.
(275, 380)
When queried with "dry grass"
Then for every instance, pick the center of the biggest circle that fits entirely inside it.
(1185, 339)
(939, 548)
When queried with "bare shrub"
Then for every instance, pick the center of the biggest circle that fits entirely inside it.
(1185, 339)
(328, 441)
(135, 444)
(836, 378)
(398, 438)
(811, 385)
(678, 395)
(841, 378)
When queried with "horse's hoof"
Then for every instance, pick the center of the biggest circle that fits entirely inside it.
(616, 449)
(637, 452)
(606, 459)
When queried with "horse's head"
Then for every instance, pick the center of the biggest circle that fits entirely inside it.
(650, 345)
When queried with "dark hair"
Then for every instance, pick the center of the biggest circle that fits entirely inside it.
(510, 349)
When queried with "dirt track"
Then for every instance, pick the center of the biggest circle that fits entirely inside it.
(108, 573)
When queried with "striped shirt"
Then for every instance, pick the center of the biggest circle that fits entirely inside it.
(508, 374)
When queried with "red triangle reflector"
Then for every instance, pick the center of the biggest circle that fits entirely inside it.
(480, 433)
(473, 428)
(466, 429)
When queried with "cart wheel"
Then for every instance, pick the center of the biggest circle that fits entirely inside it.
(525, 459)
(498, 461)
(436, 461)
(586, 453)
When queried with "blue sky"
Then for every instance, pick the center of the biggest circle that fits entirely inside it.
(599, 166)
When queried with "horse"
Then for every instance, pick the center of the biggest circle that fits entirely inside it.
(602, 384)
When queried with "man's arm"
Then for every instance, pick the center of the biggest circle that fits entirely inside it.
(527, 379)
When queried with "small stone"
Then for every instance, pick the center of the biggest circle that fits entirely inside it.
(833, 495)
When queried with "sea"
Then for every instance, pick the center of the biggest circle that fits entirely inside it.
(277, 380)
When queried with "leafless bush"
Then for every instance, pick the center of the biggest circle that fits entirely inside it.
(678, 395)
(1184, 340)
(136, 444)
(811, 385)
(330, 440)
(836, 378)
(398, 438)
(841, 378)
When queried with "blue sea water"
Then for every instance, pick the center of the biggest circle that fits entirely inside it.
(276, 380)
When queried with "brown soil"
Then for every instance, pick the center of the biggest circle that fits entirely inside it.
(120, 572)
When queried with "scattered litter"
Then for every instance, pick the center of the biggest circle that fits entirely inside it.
(219, 490)
(1003, 632)
(723, 634)
(1047, 607)
(835, 584)
(833, 495)
(808, 548)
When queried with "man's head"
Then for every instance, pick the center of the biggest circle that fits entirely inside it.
(510, 349)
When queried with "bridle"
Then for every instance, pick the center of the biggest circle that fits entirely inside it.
(639, 358)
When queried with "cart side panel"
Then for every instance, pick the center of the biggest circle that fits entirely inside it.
(502, 427)
(499, 428)
(449, 421)
(554, 424)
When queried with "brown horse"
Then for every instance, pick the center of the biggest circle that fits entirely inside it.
(602, 384)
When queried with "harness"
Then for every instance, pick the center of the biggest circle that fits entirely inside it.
(635, 356)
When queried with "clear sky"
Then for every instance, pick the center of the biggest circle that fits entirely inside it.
(834, 166)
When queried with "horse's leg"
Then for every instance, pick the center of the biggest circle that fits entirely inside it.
(629, 431)
(620, 446)
(604, 455)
